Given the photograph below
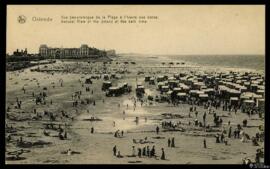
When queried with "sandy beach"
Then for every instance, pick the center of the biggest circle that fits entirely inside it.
(97, 147)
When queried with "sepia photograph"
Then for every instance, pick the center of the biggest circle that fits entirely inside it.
(135, 84)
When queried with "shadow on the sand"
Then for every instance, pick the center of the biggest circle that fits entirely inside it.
(39, 143)
(14, 158)
(158, 137)
(130, 156)
(134, 161)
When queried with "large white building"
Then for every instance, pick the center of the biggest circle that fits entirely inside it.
(83, 51)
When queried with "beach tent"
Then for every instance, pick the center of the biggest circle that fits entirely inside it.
(260, 92)
(177, 89)
(234, 93)
(106, 77)
(242, 89)
(203, 87)
(209, 91)
(160, 78)
(247, 84)
(203, 97)
(200, 92)
(147, 78)
(88, 81)
(176, 76)
(160, 84)
(183, 79)
(113, 75)
(193, 93)
(152, 81)
(169, 94)
(184, 87)
(181, 96)
(171, 78)
(234, 101)
(113, 91)
(197, 85)
(248, 104)
(164, 88)
(140, 90)
(173, 83)
(261, 104)
(106, 85)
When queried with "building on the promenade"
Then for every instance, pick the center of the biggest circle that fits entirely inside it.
(83, 51)
(111, 52)
(20, 53)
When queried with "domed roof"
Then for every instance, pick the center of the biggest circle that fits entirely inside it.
(84, 46)
(43, 46)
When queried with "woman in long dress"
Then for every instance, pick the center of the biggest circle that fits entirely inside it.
(162, 155)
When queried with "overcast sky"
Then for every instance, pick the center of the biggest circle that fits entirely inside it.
(179, 29)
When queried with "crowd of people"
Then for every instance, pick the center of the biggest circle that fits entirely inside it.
(141, 152)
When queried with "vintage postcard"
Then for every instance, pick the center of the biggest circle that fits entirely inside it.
(135, 84)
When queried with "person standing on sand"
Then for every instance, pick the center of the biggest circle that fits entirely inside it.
(204, 118)
(92, 130)
(115, 134)
(153, 152)
(245, 123)
(114, 150)
(133, 151)
(204, 143)
(238, 133)
(172, 144)
(65, 135)
(196, 114)
(169, 142)
(139, 152)
(222, 137)
(163, 154)
(217, 138)
(235, 133)
(230, 132)
(144, 151)
(157, 129)
(148, 151)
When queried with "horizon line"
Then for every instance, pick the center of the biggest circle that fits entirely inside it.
(191, 54)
